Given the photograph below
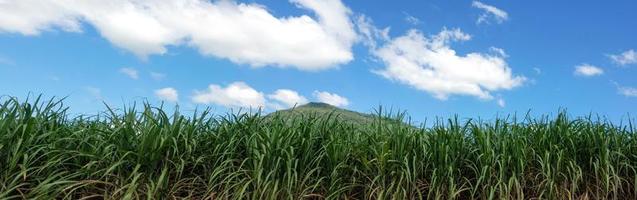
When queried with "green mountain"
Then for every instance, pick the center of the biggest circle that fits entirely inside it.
(325, 110)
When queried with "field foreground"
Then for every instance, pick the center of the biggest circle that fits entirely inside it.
(146, 153)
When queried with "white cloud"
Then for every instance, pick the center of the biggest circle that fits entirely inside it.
(430, 64)
(286, 99)
(331, 98)
(625, 58)
(236, 94)
(239, 94)
(490, 11)
(157, 76)
(245, 33)
(627, 91)
(130, 72)
(30, 17)
(587, 70)
(167, 94)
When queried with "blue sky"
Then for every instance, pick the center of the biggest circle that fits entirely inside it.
(431, 58)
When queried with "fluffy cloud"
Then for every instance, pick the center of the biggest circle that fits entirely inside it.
(286, 99)
(430, 64)
(331, 98)
(587, 70)
(625, 58)
(167, 94)
(245, 33)
(490, 11)
(237, 94)
(130, 72)
(30, 17)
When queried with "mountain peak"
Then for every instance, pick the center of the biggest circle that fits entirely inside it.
(318, 105)
(324, 109)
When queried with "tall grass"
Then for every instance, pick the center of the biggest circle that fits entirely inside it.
(145, 153)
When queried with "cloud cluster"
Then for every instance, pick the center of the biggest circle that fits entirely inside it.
(587, 70)
(240, 94)
(490, 12)
(248, 33)
(241, 32)
(430, 64)
(625, 58)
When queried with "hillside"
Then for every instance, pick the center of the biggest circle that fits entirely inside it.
(325, 110)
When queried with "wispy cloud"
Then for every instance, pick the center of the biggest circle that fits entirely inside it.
(587, 70)
(490, 12)
(626, 58)
(130, 72)
(54, 78)
(411, 19)
(501, 103)
(157, 76)
(627, 91)
(499, 51)
(6, 61)
(95, 92)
